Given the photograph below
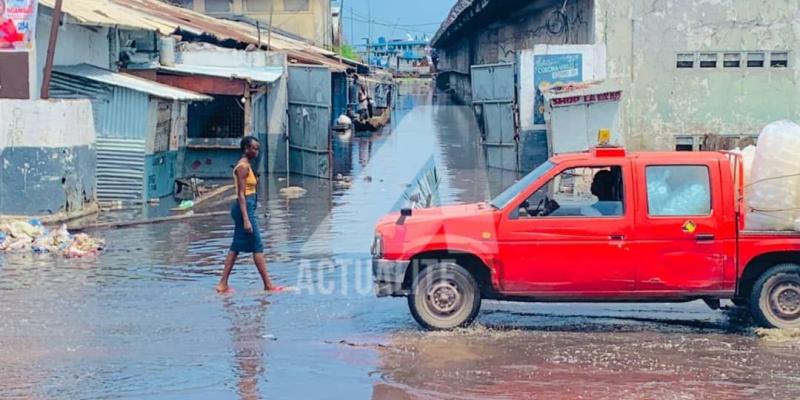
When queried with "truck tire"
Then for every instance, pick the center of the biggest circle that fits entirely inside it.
(775, 300)
(444, 296)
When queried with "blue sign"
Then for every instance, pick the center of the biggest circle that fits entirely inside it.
(553, 69)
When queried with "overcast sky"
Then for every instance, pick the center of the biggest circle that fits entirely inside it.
(392, 18)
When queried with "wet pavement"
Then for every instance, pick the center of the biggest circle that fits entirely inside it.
(142, 321)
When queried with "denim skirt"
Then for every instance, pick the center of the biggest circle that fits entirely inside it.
(244, 242)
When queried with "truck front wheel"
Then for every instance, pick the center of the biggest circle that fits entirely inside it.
(775, 301)
(444, 296)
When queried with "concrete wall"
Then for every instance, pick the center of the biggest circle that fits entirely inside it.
(47, 157)
(661, 101)
(315, 24)
(76, 45)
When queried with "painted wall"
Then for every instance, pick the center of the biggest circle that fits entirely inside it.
(76, 44)
(661, 101)
(314, 24)
(47, 156)
(160, 173)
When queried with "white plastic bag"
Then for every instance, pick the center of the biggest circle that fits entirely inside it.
(774, 188)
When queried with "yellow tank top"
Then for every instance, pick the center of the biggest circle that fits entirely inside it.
(250, 182)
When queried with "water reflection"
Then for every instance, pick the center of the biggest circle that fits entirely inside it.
(142, 320)
(248, 335)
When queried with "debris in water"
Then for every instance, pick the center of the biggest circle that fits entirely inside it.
(186, 204)
(779, 335)
(31, 236)
(293, 192)
(351, 344)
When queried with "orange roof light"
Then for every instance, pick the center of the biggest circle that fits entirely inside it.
(608, 151)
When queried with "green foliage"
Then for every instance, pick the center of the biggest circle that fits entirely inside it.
(346, 51)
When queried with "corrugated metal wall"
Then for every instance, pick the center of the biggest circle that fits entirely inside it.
(125, 116)
(122, 123)
(260, 131)
(120, 169)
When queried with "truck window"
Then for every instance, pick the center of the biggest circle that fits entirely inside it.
(578, 192)
(678, 190)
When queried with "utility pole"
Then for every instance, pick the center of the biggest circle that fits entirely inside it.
(352, 29)
(369, 40)
(51, 50)
(269, 32)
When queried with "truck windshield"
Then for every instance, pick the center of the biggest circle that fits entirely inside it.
(502, 200)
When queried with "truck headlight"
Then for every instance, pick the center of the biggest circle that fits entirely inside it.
(377, 246)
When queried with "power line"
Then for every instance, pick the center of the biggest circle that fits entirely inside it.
(381, 22)
(404, 27)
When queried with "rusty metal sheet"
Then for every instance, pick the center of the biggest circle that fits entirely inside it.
(14, 75)
(154, 15)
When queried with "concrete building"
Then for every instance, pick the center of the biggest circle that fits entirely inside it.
(311, 20)
(685, 68)
(399, 55)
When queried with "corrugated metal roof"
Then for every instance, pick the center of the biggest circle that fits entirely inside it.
(154, 15)
(261, 74)
(105, 76)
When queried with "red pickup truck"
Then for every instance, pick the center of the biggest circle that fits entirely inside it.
(599, 226)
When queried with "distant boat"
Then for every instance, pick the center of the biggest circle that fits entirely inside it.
(383, 117)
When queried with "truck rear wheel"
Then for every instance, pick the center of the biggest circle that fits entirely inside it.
(444, 296)
(775, 301)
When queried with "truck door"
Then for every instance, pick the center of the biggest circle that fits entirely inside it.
(565, 241)
(677, 228)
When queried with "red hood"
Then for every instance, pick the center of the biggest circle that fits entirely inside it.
(445, 212)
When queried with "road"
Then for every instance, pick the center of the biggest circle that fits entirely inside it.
(142, 320)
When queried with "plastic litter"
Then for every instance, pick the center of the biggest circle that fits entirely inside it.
(186, 204)
(773, 194)
(344, 120)
(31, 236)
(292, 192)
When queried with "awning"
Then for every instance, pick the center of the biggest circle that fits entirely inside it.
(128, 81)
(253, 74)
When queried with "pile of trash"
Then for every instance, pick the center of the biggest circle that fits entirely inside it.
(32, 236)
(772, 178)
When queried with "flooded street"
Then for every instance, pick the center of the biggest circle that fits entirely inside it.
(142, 320)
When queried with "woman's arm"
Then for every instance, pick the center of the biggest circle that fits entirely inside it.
(241, 182)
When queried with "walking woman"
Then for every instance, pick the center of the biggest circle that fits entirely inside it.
(246, 235)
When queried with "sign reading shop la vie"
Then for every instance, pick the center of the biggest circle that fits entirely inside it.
(17, 24)
(553, 69)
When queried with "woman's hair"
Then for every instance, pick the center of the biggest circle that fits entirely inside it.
(246, 142)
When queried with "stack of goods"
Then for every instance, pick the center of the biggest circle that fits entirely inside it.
(671, 192)
(32, 236)
(772, 184)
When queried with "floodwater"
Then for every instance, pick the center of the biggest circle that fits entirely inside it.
(142, 320)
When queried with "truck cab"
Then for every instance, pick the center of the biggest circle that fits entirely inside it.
(604, 225)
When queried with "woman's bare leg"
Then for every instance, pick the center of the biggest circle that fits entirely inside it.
(230, 259)
(261, 265)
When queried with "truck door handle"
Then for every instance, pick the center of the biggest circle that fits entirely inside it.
(617, 237)
(704, 237)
